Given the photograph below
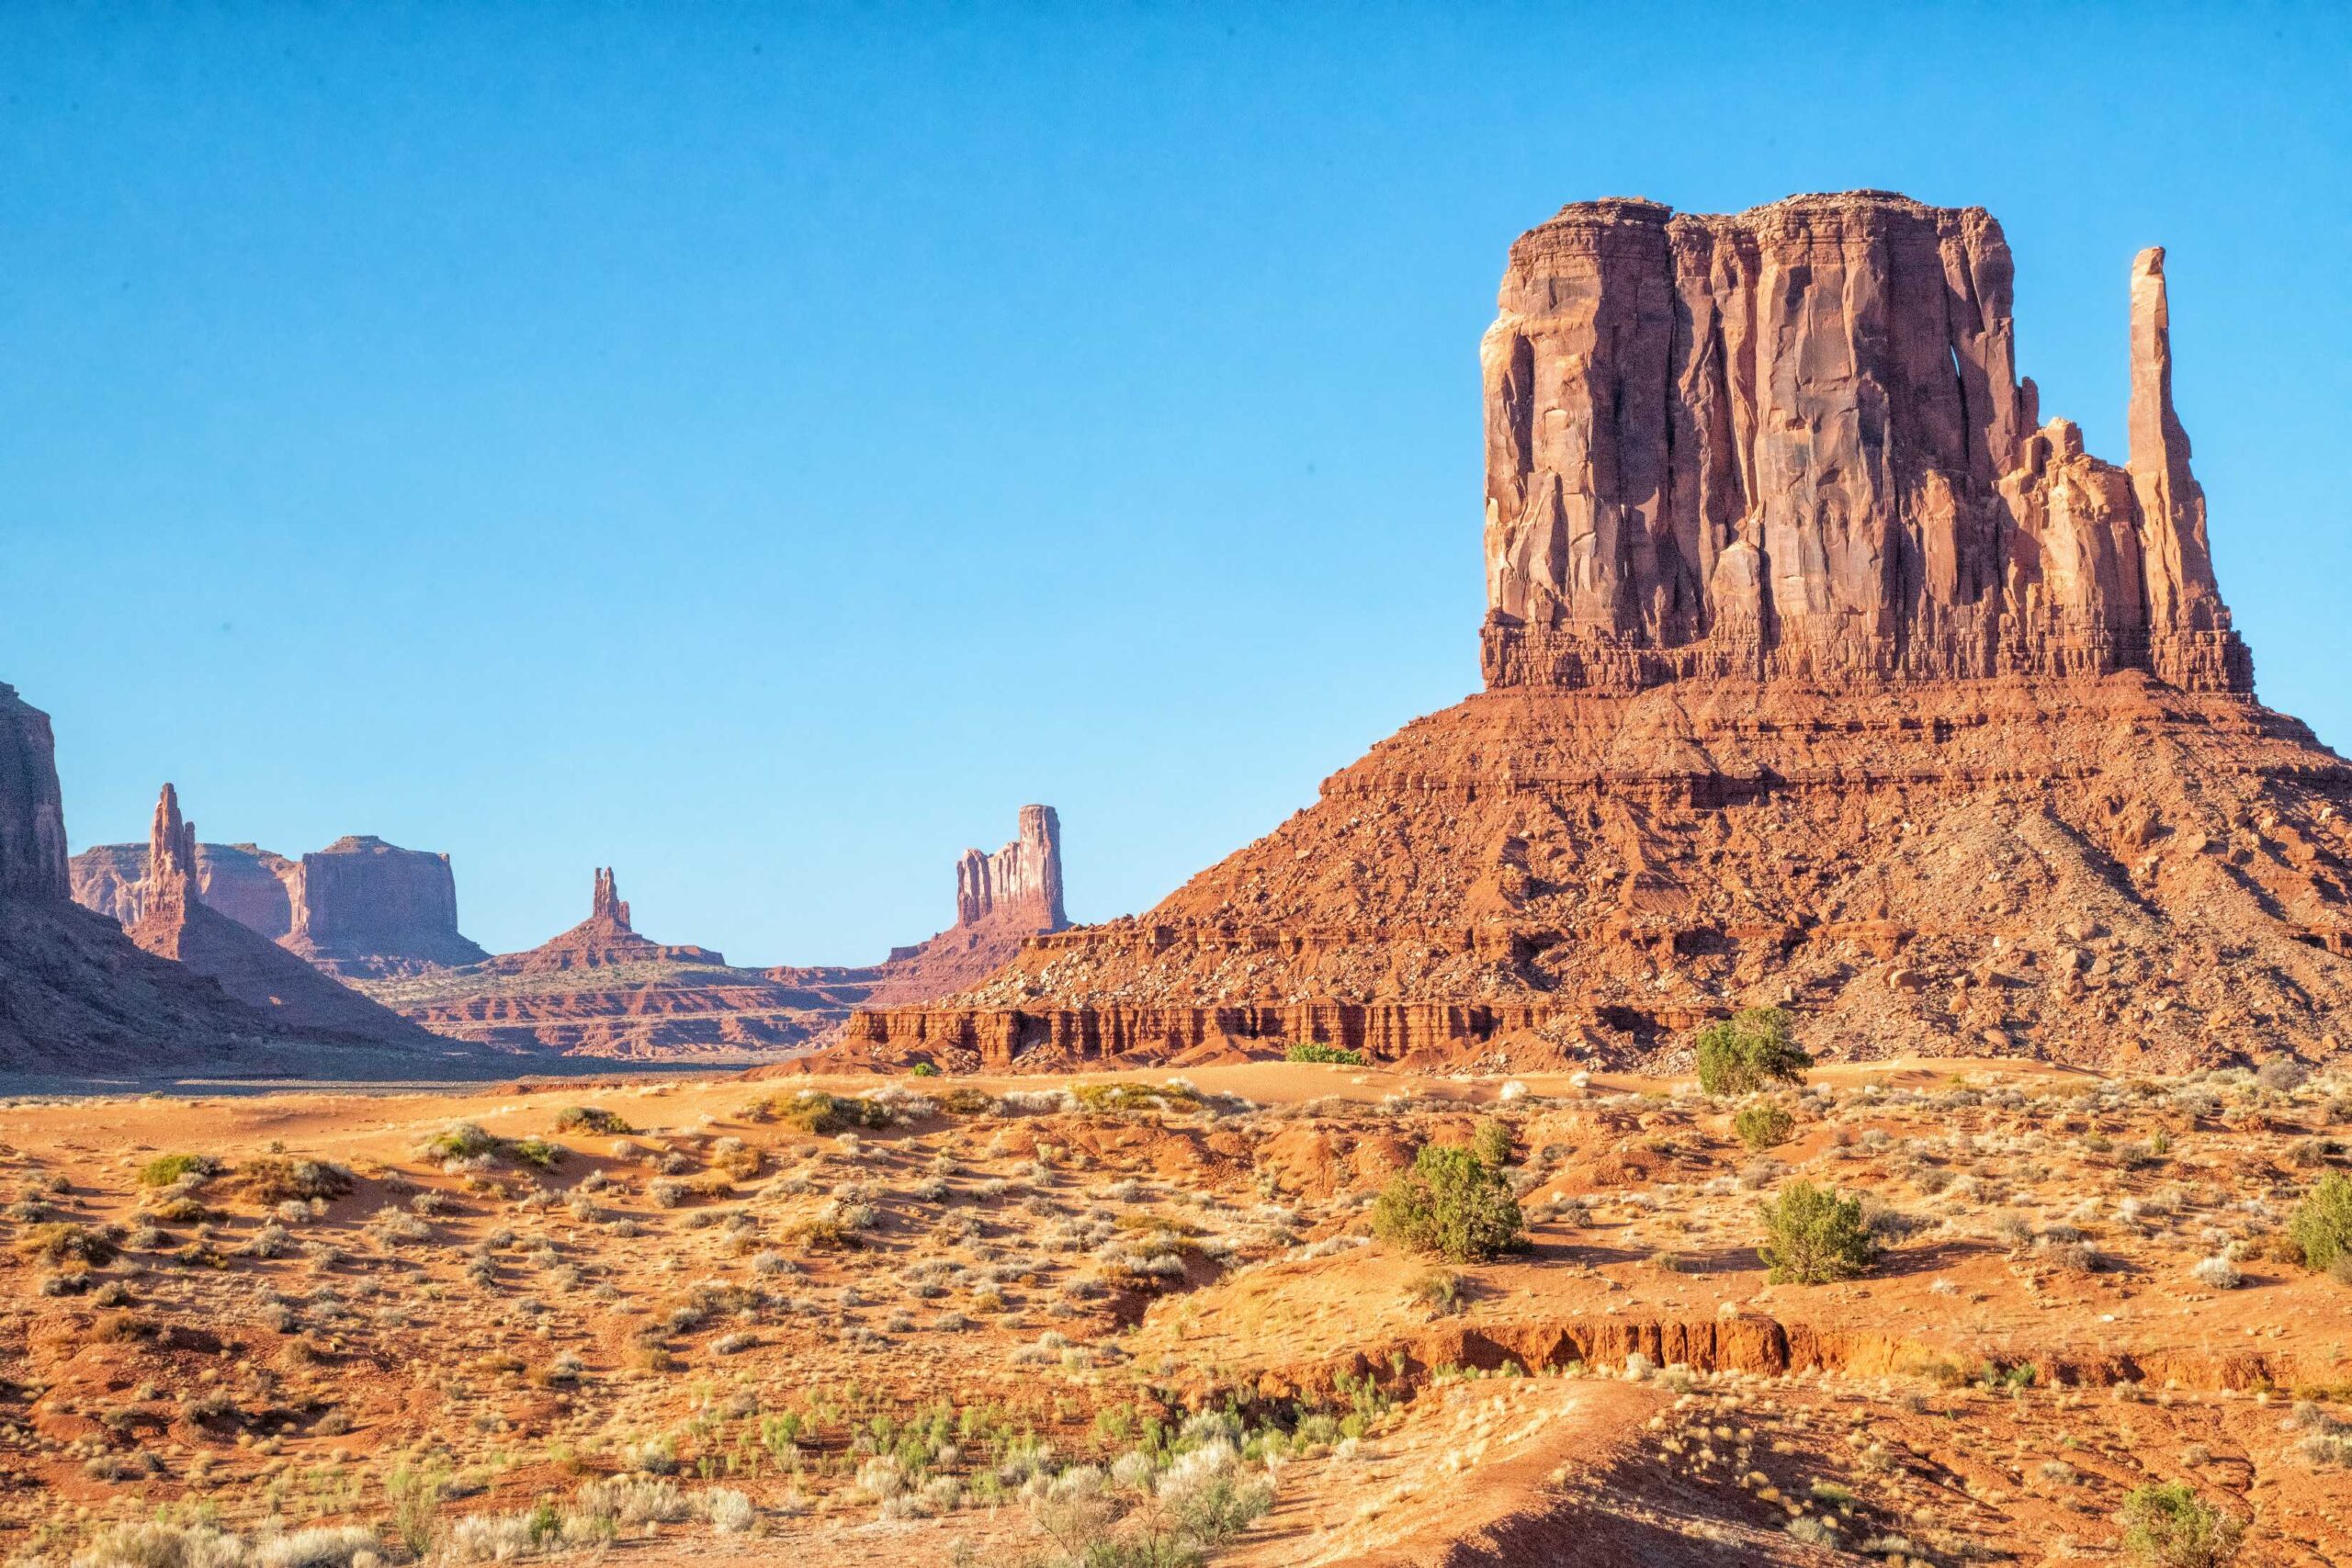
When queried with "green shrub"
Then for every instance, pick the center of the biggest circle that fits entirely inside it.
(276, 1180)
(591, 1119)
(1491, 1143)
(1134, 1096)
(1752, 1050)
(164, 1169)
(1763, 1125)
(2171, 1527)
(1814, 1236)
(459, 1140)
(536, 1152)
(2321, 1226)
(63, 1241)
(814, 1111)
(1451, 1205)
(1316, 1051)
(924, 1070)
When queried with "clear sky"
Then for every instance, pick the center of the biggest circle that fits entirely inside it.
(758, 447)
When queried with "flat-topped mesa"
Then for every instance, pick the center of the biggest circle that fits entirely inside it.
(1791, 444)
(174, 922)
(1024, 879)
(365, 906)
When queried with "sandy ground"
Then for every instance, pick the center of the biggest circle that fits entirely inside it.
(1003, 1282)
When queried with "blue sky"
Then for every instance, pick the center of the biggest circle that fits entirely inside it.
(760, 448)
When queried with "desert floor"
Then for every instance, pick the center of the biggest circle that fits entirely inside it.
(953, 1320)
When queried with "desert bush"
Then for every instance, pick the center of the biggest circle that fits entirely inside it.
(1451, 1205)
(591, 1119)
(728, 1511)
(814, 1111)
(2220, 1273)
(1492, 1143)
(968, 1102)
(62, 1240)
(1316, 1051)
(2170, 1527)
(1752, 1050)
(2281, 1072)
(633, 1500)
(1132, 1097)
(277, 1181)
(1815, 1236)
(155, 1544)
(1763, 1125)
(164, 1171)
(538, 1152)
(2321, 1225)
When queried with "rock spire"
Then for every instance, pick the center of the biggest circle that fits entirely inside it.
(607, 905)
(1024, 878)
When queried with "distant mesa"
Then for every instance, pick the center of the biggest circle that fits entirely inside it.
(1821, 671)
(600, 988)
(174, 922)
(80, 998)
(359, 907)
(364, 907)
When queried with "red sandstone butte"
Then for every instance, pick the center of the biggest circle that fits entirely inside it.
(1820, 670)
(600, 988)
(174, 922)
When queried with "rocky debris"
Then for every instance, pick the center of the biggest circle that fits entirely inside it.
(1024, 879)
(244, 882)
(365, 906)
(1788, 444)
(175, 922)
(1821, 674)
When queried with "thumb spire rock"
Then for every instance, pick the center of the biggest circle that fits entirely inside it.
(607, 905)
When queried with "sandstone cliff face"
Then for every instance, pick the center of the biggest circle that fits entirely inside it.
(365, 906)
(175, 922)
(1822, 672)
(78, 999)
(1024, 879)
(1791, 444)
(244, 882)
(32, 812)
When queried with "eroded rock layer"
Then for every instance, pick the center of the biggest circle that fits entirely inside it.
(244, 882)
(1791, 443)
(1820, 672)
(602, 989)
(362, 907)
(175, 922)
(79, 999)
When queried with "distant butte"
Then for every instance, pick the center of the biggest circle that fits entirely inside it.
(1820, 670)
(600, 988)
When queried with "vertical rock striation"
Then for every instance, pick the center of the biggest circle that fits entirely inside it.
(1024, 879)
(1791, 444)
(32, 812)
(1820, 672)
(365, 906)
(175, 922)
